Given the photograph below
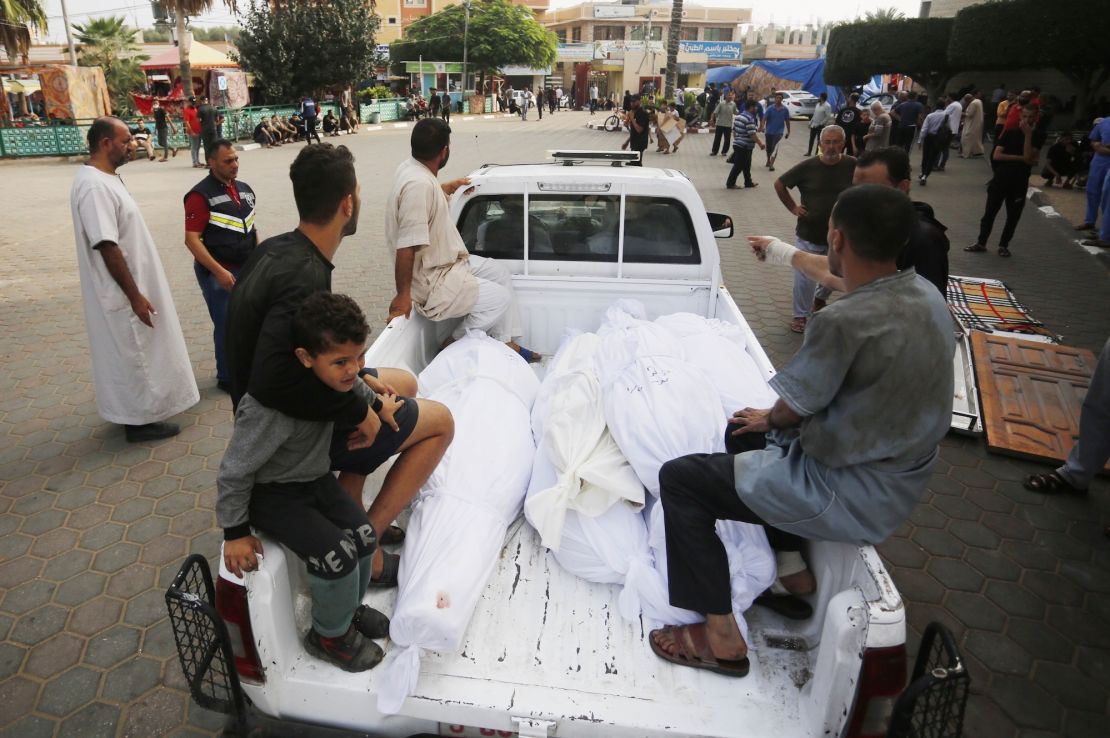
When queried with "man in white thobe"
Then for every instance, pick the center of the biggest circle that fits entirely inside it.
(434, 272)
(140, 365)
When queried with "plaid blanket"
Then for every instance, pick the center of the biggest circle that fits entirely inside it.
(988, 305)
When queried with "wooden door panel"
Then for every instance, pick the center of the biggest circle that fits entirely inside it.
(1031, 393)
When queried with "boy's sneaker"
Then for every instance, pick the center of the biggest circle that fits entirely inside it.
(370, 622)
(351, 651)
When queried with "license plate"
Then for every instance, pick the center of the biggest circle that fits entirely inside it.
(465, 731)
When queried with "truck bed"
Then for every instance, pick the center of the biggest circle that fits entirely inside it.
(546, 645)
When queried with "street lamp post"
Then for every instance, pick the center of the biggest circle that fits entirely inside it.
(466, 34)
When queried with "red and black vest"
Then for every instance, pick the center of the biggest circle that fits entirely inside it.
(229, 235)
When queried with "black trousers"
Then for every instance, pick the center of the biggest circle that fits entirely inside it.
(318, 521)
(721, 135)
(906, 135)
(742, 163)
(999, 193)
(930, 150)
(310, 129)
(814, 137)
(696, 491)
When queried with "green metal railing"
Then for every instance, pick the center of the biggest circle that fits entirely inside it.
(69, 140)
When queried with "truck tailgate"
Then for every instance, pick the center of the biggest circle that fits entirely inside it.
(546, 644)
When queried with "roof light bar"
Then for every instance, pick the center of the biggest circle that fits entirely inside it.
(568, 157)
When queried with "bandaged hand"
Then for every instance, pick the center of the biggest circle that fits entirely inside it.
(772, 250)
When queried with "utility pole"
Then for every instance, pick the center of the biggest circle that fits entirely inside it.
(69, 35)
(466, 34)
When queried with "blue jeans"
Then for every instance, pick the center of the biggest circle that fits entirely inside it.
(216, 297)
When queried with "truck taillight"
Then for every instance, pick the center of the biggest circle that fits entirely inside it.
(231, 604)
(882, 678)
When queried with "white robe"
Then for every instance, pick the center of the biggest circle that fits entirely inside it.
(141, 374)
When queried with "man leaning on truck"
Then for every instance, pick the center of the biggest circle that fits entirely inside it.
(845, 452)
(433, 270)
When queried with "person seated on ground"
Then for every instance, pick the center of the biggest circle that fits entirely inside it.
(142, 138)
(263, 134)
(297, 124)
(275, 477)
(279, 130)
(1060, 167)
(331, 125)
(434, 272)
(844, 454)
(280, 274)
(926, 252)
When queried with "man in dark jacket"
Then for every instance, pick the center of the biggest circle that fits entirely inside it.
(279, 275)
(220, 233)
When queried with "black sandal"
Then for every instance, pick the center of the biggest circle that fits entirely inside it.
(370, 622)
(1051, 483)
(1004, 252)
(391, 564)
(393, 536)
(975, 248)
(789, 606)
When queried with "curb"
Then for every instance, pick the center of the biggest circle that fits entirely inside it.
(601, 127)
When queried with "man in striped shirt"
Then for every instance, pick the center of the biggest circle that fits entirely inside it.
(745, 137)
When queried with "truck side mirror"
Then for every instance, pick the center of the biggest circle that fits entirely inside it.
(721, 225)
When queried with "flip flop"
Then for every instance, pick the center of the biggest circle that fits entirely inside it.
(789, 606)
(1051, 483)
(392, 536)
(693, 651)
(1003, 252)
(391, 563)
(370, 622)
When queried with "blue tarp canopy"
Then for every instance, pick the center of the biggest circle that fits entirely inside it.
(810, 73)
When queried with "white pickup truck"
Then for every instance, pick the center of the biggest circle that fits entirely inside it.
(546, 653)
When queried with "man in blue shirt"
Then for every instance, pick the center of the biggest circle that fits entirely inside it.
(745, 137)
(1098, 191)
(776, 121)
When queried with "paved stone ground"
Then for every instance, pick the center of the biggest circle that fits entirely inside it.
(92, 529)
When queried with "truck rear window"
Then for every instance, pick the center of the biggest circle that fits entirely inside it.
(580, 227)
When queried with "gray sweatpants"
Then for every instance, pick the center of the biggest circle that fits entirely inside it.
(804, 287)
(1092, 448)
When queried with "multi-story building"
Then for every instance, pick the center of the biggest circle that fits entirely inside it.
(618, 46)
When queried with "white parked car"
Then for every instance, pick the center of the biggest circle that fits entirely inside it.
(886, 99)
(800, 103)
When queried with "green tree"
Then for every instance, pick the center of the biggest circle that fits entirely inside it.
(917, 47)
(15, 17)
(1066, 35)
(500, 34)
(883, 15)
(673, 33)
(108, 43)
(304, 48)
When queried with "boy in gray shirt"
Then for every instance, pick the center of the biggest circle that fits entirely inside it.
(276, 477)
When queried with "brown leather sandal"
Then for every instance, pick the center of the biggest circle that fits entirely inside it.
(692, 642)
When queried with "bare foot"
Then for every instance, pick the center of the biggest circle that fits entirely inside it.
(725, 641)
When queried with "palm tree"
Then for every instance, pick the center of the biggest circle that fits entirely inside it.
(15, 17)
(107, 43)
(883, 15)
(672, 48)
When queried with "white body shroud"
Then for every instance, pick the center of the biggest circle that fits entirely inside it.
(458, 527)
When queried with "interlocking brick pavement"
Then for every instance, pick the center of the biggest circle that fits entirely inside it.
(92, 529)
